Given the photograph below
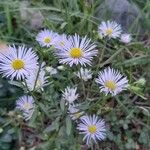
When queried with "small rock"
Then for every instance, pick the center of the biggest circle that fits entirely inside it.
(121, 11)
(31, 16)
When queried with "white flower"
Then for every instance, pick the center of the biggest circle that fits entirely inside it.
(110, 29)
(61, 67)
(18, 63)
(34, 82)
(26, 105)
(61, 41)
(51, 70)
(74, 112)
(92, 128)
(46, 38)
(111, 81)
(77, 51)
(69, 94)
(85, 74)
(126, 38)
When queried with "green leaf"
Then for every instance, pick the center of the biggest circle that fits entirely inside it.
(62, 105)
(68, 125)
(16, 83)
(137, 61)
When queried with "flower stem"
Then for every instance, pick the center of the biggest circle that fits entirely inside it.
(82, 81)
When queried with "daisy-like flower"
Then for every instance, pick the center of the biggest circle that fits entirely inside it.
(125, 38)
(69, 94)
(85, 74)
(46, 38)
(61, 41)
(74, 112)
(26, 105)
(51, 70)
(77, 51)
(111, 81)
(110, 29)
(93, 128)
(34, 82)
(18, 63)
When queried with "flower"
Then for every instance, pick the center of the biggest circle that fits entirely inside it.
(74, 112)
(69, 94)
(125, 38)
(77, 51)
(85, 74)
(26, 104)
(61, 41)
(61, 67)
(92, 128)
(18, 63)
(51, 70)
(111, 81)
(110, 29)
(46, 38)
(34, 82)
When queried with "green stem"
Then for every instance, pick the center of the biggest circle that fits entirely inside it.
(8, 18)
(112, 57)
(37, 77)
(99, 62)
(82, 81)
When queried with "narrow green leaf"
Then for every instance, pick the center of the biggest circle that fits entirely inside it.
(68, 125)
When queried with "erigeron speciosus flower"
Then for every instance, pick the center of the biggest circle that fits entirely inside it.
(125, 38)
(70, 95)
(46, 38)
(84, 74)
(61, 41)
(77, 51)
(74, 112)
(51, 70)
(26, 104)
(18, 63)
(92, 128)
(110, 29)
(111, 81)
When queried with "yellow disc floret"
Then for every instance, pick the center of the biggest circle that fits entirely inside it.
(110, 85)
(76, 52)
(109, 31)
(92, 129)
(18, 64)
(26, 106)
(47, 40)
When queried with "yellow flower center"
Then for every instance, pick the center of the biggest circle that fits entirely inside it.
(18, 64)
(47, 40)
(92, 129)
(77, 115)
(38, 83)
(76, 52)
(109, 31)
(111, 85)
(27, 106)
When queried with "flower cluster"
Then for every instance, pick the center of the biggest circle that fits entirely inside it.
(21, 63)
(111, 29)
